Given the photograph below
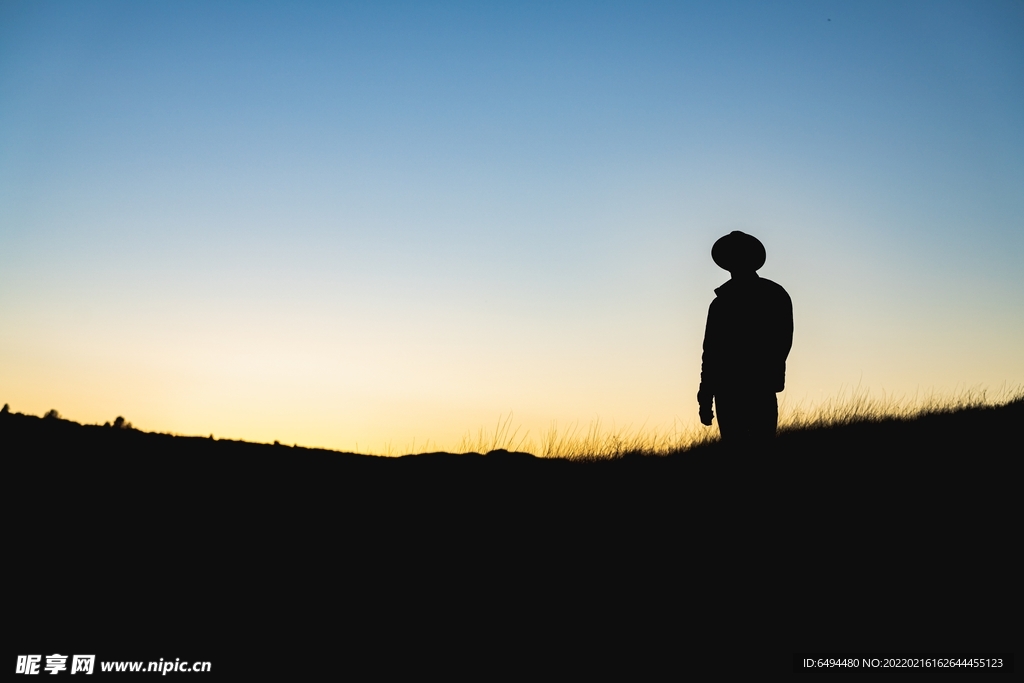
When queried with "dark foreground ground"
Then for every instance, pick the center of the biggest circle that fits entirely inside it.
(892, 536)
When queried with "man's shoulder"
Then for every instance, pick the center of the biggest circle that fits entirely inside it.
(773, 288)
(758, 288)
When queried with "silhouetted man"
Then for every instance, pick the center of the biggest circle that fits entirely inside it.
(746, 342)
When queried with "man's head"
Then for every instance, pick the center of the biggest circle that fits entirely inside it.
(739, 253)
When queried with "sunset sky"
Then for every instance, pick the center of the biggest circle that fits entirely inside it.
(353, 225)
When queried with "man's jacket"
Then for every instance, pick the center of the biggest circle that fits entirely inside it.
(747, 339)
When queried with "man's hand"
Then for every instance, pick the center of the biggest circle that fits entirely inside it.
(704, 399)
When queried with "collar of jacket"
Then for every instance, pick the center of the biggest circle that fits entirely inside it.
(734, 284)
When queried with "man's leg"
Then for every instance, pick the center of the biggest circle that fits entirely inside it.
(748, 420)
(765, 416)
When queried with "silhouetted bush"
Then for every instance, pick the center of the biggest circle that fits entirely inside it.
(52, 413)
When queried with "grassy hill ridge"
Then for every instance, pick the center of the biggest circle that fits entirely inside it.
(973, 427)
(876, 535)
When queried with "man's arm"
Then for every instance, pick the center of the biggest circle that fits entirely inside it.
(709, 367)
(784, 336)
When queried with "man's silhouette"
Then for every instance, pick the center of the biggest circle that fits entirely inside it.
(746, 342)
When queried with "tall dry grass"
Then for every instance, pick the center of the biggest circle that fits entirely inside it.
(595, 442)
(858, 404)
(592, 442)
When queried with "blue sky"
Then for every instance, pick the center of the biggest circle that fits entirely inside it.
(333, 223)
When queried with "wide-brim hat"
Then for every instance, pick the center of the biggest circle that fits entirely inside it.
(738, 251)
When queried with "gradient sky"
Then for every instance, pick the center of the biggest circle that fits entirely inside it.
(368, 223)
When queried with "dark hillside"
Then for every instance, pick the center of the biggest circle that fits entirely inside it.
(884, 535)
